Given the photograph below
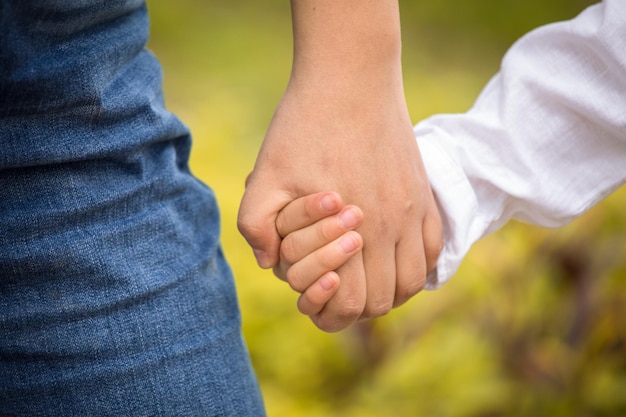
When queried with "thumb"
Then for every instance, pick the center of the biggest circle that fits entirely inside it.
(256, 221)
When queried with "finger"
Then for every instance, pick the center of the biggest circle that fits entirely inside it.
(432, 237)
(302, 274)
(280, 270)
(303, 242)
(256, 221)
(410, 267)
(346, 306)
(380, 272)
(317, 295)
(307, 210)
(300, 243)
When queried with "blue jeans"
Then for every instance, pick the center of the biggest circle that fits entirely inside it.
(115, 298)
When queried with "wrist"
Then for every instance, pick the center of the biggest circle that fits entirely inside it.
(346, 42)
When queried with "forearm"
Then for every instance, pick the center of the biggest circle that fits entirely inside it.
(346, 48)
(342, 122)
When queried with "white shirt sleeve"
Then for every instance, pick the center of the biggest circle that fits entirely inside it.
(544, 142)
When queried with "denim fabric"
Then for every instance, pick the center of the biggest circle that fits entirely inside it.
(115, 298)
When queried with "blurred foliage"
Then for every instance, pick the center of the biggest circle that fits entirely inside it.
(533, 324)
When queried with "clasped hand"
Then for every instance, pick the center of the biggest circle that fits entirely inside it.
(365, 248)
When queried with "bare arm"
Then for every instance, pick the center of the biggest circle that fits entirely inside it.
(343, 125)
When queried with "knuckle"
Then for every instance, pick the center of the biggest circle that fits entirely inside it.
(329, 327)
(347, 314)
(325, 325)
(377, 308)
(247, 225)
(326, 260)
(280, 224)
(307, 304)
(310, 211)
(432, 250)
(407, 292)
(279, 272)
(288, 250)
(325, 233)
(295, 280)
(304, 304)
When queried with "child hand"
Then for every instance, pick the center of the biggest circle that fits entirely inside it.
(318, 237)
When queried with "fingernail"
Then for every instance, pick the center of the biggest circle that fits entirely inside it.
(328, 203)
(348, 243)
(349, 218)
(262, 258)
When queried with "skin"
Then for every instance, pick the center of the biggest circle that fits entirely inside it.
(343, 125)
(319, 237)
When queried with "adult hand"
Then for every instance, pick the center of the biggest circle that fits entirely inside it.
(343, 126)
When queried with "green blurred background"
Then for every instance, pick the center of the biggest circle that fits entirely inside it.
(534, 322)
